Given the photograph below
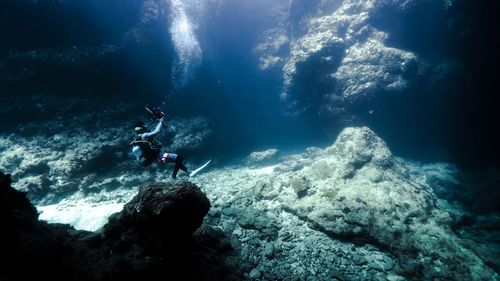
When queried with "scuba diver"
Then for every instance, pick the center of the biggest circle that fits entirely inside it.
(147, 149)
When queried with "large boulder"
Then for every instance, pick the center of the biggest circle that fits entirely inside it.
(352, 210)
(358, 192)
(262, 157)
(31, 247)
(158, 233)
(159, 212)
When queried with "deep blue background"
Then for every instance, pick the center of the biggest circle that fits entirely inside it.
(452, 120)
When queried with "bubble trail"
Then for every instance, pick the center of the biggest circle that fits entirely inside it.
(187, 47)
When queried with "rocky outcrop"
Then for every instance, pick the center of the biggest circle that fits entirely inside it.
(158, 233)
(346, 39)
(364, 197)
(262, 157)
(188, 134)
(159, 211)
(352, 210)
(59, 147)
(336, 55)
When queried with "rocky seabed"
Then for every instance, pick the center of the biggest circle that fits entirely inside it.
(351, 211)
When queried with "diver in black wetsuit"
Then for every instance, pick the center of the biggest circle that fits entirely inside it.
(148, 150)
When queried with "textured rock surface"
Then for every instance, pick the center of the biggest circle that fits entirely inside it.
(261, 157)
(360, 215)
(351, 211)
(189, 134)
(174, 209)
(332, 53)
(75, 147)
(155, 235)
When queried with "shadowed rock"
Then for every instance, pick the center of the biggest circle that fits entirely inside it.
(369, 198)
(360, 198)
(154, 235)
(158, 212)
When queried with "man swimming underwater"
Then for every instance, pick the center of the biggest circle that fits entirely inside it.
(147, 149)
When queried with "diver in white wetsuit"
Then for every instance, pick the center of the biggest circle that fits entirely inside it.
(148, 150)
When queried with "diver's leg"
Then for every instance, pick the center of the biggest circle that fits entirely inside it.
(184, 168)
(178, 161)
(179, 165)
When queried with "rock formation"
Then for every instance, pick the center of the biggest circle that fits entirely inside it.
(262, 157)
(350, 211)
(335, 55)
(69, 146)
(157, 234)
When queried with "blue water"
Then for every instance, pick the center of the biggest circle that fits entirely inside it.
(198, 58)
(282, 78)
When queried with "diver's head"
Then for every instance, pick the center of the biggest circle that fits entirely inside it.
(140, 127)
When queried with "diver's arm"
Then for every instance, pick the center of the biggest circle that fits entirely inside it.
(156, 131)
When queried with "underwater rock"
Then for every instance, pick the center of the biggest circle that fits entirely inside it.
(407, 208)
(159, 211)
(156, 234)
(14, 204)
(372, 67)
(67, 163)
(382, 263)
(357, 147)
(263, 222)
(261, 156)
(344, 28)
(359, 259)
(365, 213)
(268, 250)
(254, 274)
(323, 170)
(77, 147)
(340, 49)
(298, 185)
(481, 235)
(188, 134)
(34, 248)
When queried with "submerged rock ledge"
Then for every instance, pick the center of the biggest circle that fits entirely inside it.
(156, 234)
